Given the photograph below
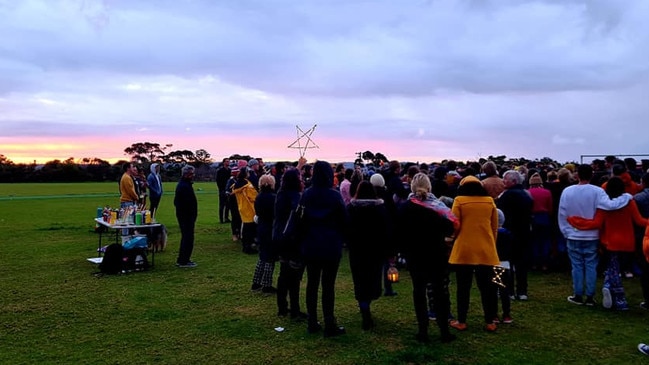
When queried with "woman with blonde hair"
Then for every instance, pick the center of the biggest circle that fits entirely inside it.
(425, 222)
(264, 215)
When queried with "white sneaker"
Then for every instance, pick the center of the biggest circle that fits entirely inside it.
(643, 348)
(607, 300)
(522, 297)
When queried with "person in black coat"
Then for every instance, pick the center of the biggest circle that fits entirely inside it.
(291, 267)
(321, 244)
(222, 176)
(423, 224)
(516, 203)
(369, 237)
(378, 182)
(235, 221)
(186, 214)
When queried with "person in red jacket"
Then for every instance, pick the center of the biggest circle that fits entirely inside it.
(541, 223)
(617, 236)
(630, 186)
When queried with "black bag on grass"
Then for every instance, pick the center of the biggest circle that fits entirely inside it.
(113, 260)
(136, 259)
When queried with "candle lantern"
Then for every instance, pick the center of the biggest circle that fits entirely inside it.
(393, 274)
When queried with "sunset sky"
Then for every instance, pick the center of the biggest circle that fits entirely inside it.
(417, 80)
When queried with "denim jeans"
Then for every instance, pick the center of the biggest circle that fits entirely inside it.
(583, 258)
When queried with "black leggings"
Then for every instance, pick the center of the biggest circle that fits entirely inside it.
(422, 274)
(321, 272)
(488, 290)
(288, 283)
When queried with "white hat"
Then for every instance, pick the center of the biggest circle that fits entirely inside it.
(377, 180)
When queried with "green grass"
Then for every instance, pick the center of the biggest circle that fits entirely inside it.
(53, 310)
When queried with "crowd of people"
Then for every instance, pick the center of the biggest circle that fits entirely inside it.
(494, 223)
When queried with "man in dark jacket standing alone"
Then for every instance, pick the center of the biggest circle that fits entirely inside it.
(186, 214)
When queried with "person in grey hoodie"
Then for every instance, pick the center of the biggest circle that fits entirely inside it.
(155, 188)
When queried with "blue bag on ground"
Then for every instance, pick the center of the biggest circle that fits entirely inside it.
(136, 242)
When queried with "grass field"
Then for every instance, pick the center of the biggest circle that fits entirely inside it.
(54, 311)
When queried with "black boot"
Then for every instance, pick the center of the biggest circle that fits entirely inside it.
(313, 325)
(446, 335)
(332, 329)
(368, 322)
(422, 334)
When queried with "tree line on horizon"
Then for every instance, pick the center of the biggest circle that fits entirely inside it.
(143, 154)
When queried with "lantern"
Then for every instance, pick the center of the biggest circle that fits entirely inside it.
(393, 274)
(497, 279)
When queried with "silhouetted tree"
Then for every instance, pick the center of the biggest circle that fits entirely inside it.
(96, 168)
(180, 157)
(145, 152)
(202, 157)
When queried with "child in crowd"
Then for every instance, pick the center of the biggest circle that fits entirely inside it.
(504, 247)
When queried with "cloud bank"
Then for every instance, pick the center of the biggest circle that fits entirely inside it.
(418, 80)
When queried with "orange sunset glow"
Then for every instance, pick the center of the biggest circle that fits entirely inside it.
(111, 149)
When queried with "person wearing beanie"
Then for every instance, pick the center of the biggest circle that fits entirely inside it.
(516, 203)
(323, 231)
(474, 251)
(536, 180)
(378, 182)
(253, 173)
(570, 167)
(424, 223)
(541, 223)
(469, 179)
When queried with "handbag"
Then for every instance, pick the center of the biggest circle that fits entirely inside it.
(294, 224)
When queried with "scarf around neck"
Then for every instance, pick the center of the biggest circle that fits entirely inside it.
(434, 204)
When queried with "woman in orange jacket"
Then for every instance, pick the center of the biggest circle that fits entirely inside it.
(617, 236)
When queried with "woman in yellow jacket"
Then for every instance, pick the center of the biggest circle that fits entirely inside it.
(474, 250)
(246, 194)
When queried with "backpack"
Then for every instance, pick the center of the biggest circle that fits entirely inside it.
(136, 259)
(113, 260)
